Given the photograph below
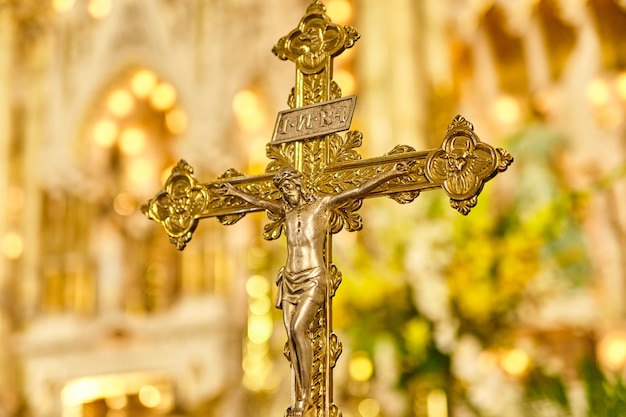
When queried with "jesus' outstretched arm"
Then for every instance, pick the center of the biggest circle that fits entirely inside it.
(401, 168)
(271, 205)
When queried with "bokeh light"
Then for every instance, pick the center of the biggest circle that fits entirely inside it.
(124, 204)
(163, 96)
(133, 140)
(12, 245)
(369, 407)
(506, 110)
(141, 171)
(260, 328)
(515, 362)
(149, 396)
(340, 10)
(257, 286)
(361, 367)
(121, 103)
(105, 133)
(346, 81)
(62, 5)
(176, 121)
(116, 402)
(247, 108)
(261, 305)
(437, 403)
(165, 174)
(612, 350)
(99, 9)
(143, 83)
(598, 92)
(620, 85)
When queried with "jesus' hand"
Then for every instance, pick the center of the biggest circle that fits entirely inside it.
(404, 168)
(225, 188)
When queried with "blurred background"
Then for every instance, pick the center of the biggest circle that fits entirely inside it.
(514, 310)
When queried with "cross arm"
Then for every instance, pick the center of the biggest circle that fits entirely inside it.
(368, 186)
(461, 167)
(184, 201)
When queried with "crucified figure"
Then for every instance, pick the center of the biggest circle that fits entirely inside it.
(302, 281)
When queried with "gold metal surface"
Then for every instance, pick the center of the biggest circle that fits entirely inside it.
(313, 187)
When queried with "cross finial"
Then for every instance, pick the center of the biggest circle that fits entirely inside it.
(315, 41)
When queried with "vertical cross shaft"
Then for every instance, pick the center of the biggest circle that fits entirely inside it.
(312, 47)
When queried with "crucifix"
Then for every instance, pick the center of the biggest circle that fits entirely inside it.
(312, 188)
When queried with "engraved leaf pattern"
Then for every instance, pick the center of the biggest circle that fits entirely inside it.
(279, 49)
(335, 349)
(343, 149)
(464, 206)
(339, 149)
(273, 229)
(351, 36)
(334, 182)
(317, 332)
(181, 241)
(505, 159)
(459, 122)
(230, 219)
(282, 155)
(346, 216)
(291, 101)
(335, 277)
(398, 149)
(313, 88)
(404, 197)
(313, 158)
(335, 90)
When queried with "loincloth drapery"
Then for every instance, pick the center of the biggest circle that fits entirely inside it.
(297, 286)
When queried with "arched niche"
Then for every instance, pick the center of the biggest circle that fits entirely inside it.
(99, 254)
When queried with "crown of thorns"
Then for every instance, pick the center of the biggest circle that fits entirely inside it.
(287, 174)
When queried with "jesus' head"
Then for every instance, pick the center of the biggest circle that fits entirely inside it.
(290, 182)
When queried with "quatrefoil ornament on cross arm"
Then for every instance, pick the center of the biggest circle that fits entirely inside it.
(463, 164)
(179, 206)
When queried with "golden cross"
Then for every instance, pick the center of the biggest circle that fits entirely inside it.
(313, 187)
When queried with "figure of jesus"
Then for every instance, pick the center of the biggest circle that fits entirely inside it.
(303, 280)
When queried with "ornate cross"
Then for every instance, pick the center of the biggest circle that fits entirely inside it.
(313, 187)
